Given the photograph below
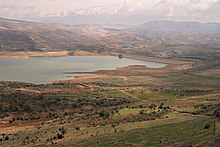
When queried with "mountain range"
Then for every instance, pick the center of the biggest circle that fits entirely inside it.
(155, 38)
(133, 12)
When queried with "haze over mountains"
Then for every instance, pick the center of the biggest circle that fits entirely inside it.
(132, 12)
(109, 73)
(203, 28)
(113, 11)
(156, 38)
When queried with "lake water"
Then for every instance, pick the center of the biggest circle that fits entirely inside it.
(48, 69)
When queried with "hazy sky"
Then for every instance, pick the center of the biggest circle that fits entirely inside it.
(198, 10)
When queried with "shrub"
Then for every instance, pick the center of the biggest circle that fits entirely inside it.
(55, 137)
(77, 128)
(6, 115)
(141, 106)
(161, 106)
(6, 137)
(104, 114)
(63, 130)
(60, 136)
(152, 106)
(207, 126)
(141, 112)
(217, 113)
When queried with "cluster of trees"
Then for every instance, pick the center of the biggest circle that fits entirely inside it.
(141, 117)
(78, 103)
(179, 90)
(205, 108)
(16, 101)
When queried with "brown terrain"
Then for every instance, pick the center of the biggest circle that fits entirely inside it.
(178, 105)
(45, 54)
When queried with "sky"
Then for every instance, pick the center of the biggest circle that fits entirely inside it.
(186, 10)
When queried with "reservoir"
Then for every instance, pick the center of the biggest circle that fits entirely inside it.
(40, 70)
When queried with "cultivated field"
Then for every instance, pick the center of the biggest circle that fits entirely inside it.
(178, 105)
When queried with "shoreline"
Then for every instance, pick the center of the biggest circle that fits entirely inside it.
(170, 63)
(65, 53)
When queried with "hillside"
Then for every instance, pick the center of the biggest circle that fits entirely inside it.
(176, 105)
(202, 28)
(152, 38)
(171, 106)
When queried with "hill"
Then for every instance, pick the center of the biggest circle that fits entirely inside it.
(159, 38)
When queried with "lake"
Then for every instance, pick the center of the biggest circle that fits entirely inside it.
(42, 70)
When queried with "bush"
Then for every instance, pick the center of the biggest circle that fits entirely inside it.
(217, 113)
(77, 128)
(104, 114)
(207, 126)
(161, 106)
(55, 137)
(141, 106)
(152, 106)
(141, 112)
(6, 115)
(63, 130)
(60, 136)
(6, 137)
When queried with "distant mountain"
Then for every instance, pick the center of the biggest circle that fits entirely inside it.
(203, 28)
(156, 38)
(123, 13)
(97, 11)
(135, 12)
(18, 35)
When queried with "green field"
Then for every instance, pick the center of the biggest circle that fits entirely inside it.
(185, 132)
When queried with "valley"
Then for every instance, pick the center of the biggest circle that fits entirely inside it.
(128, 105)
(113, 107)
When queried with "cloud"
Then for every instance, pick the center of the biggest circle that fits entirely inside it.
(179, 9)
(200, 10)
(214, 9)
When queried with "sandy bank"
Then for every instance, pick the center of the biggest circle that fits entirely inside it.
(46, 54)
